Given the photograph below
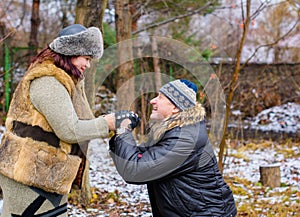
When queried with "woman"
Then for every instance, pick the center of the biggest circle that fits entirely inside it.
(49, 124)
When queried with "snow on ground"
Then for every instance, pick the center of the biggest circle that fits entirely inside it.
(248, 166)
(283, 118)
(103, 174)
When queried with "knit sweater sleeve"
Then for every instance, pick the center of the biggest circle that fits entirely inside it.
(51, 99)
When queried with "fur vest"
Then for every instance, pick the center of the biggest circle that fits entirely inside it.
(30, 152)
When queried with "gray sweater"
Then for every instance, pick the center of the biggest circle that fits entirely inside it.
(51, 99)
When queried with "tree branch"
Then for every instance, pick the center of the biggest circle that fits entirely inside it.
(7, 35)
(261, 7)
(154, 25)
(139, 11)
(22, 17)
(270, 44)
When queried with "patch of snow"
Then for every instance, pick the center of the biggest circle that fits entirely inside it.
(104, 175)
(236, 112)
(2, 131)
(248, 167)
(73, 211)
(283, 118)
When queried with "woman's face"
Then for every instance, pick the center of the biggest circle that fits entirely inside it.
(82, 62)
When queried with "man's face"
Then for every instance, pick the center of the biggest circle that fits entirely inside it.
(162, 107)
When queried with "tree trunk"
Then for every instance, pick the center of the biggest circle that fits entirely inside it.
(233, 84)
(89, 13)
(35, 23)
(156, 65)
(270, 175)
(125, 85)
(84, 9)
(5, 43)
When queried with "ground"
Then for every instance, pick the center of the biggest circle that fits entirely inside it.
(113, 197)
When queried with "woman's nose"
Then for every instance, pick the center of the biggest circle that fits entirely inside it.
(88, 64)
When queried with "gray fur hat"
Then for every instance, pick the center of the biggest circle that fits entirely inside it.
(76, 40)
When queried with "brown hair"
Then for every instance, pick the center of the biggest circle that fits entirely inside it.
(61, 61)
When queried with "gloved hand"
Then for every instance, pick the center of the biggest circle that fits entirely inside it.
(121, 117)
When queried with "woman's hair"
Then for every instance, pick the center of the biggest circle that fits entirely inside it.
(61, 61)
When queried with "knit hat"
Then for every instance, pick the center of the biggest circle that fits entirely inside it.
(76, 40)
(182, 93)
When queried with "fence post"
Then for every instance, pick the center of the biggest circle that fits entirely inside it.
(6, 77)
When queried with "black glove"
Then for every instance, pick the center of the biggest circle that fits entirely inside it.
(125, 114)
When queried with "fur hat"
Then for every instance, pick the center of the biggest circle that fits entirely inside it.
(76, 40)
(182, 93)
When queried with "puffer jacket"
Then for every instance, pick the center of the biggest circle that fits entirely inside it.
(179, 167)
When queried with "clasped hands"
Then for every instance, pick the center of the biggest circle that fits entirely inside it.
(122, 120)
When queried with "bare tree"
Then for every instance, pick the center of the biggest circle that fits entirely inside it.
(35, 23)
(175, 18)
(126, 69)
(127, 14)
(279, 27)
(246, 22)
(247, 18)
(84, 10)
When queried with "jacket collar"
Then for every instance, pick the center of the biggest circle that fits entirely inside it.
(184, 118)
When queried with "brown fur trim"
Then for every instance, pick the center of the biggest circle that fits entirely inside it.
(187, 117)
(38, 164)
(21, 108)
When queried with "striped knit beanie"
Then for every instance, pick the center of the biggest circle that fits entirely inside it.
(182, 93)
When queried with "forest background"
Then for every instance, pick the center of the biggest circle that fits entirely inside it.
(250, 47)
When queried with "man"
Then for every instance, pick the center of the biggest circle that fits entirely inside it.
(177, 161)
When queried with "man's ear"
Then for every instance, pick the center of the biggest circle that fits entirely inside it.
(175, 110)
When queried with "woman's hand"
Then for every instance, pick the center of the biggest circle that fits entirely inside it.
(110, 119)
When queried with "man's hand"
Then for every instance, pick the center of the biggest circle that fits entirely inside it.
(126, 119)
